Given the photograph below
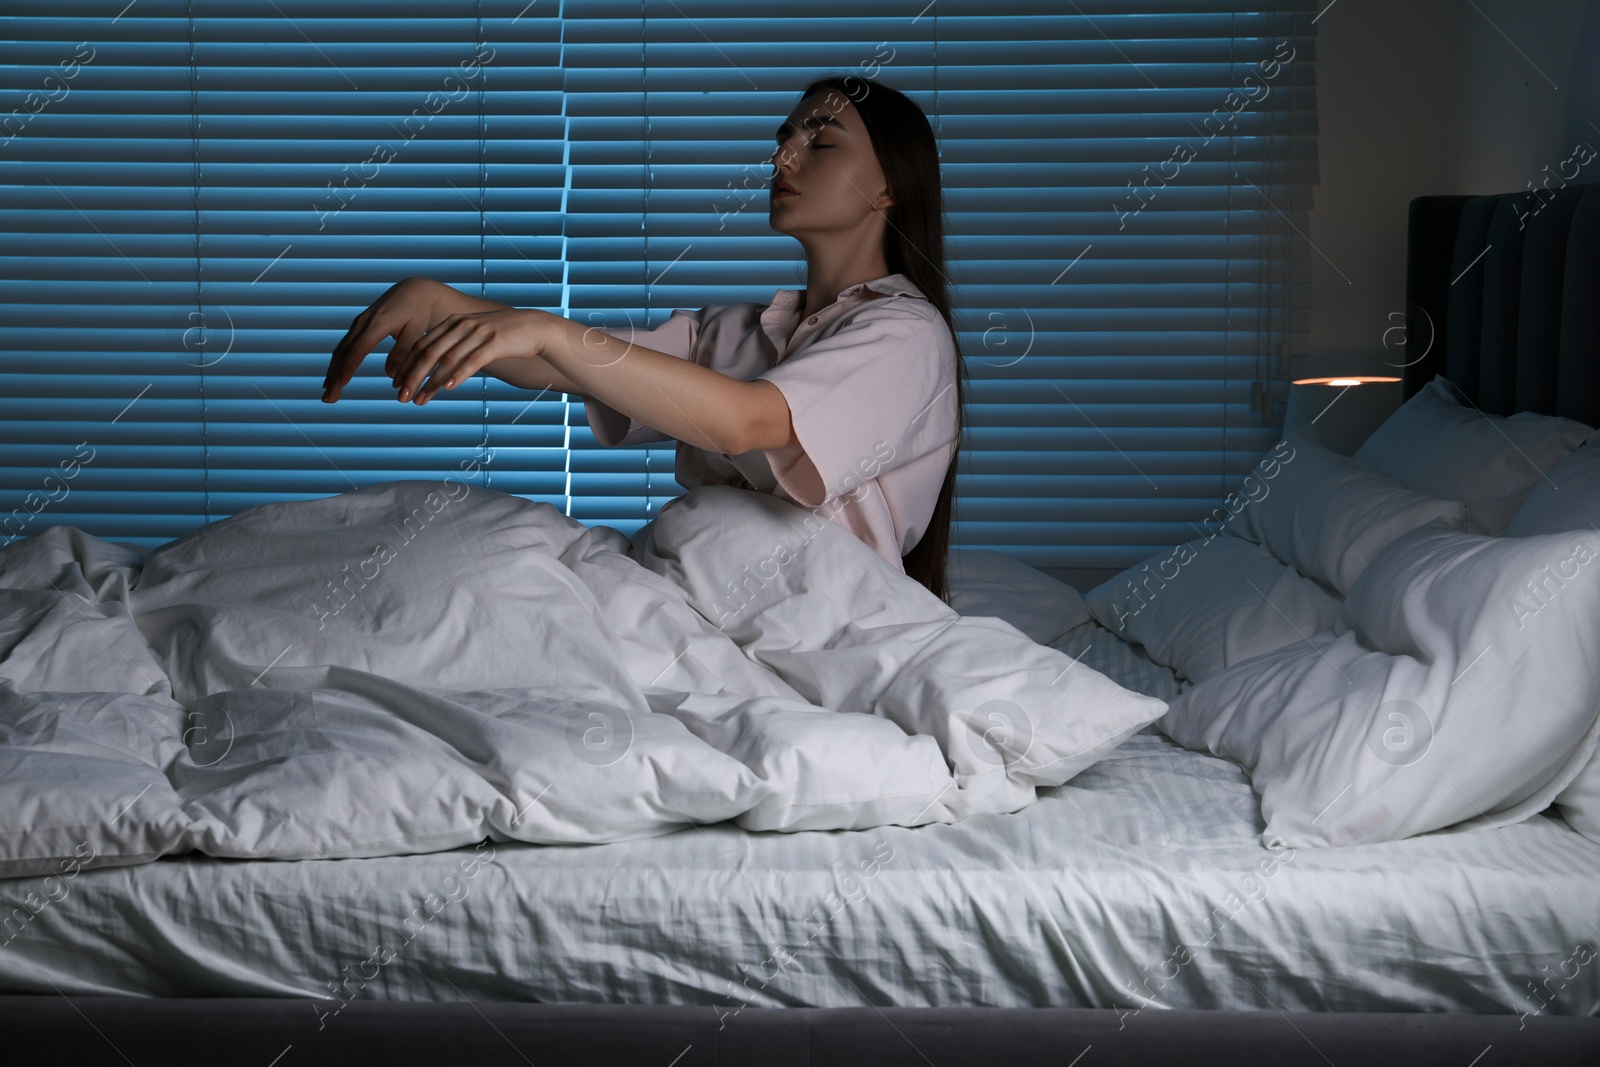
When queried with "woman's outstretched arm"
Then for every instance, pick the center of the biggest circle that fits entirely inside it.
(677, 397)
(680, 398)
(535, 349)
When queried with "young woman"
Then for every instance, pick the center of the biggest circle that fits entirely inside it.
(844, 397)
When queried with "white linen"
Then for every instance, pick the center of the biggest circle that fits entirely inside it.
(985, 582)
(1328, 515)
(1081, 900)
(1579, 802)
(1437, 445)
(1568, 498)
(1210, 603)
(64, 620)
(82, 780)
(414, 666)
(1458, 684)
(88, 725)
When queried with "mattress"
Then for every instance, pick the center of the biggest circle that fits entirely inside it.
(1141, 883)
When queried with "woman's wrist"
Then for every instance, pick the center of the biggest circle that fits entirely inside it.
(548, 334)
(577, 349)
(527, 366)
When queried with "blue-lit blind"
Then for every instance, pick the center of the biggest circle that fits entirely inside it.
(198, 196)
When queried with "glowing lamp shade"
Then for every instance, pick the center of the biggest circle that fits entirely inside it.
(1343, 411)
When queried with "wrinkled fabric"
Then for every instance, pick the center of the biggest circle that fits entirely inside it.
(416, 666)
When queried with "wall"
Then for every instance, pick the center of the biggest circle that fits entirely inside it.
(1418, 97)
(1414, 98)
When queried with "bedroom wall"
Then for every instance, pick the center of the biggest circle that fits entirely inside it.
(1426, 96)
(1422, 97)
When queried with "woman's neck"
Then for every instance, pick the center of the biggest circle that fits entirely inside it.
(827, 277)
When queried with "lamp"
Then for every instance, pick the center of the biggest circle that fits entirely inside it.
(1344, 411)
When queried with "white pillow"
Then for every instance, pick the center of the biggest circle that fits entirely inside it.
(1210, 603)
(988, 583)
(1328, 515)
(1439, 446)
(1579, 802)
(1566, 498)
(1429, 704)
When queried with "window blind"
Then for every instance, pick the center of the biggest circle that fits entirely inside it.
(199, 195)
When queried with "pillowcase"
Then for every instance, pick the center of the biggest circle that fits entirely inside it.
(1458, 686)
(988, 583)
(1579, 802)
(1328, 515)
(1439, 446)
(1210, 603)
(1566, 498)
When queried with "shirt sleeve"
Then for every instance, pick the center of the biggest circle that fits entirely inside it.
(874, 396)
(676, 337)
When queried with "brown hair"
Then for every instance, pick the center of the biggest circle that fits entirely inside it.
(913, 245)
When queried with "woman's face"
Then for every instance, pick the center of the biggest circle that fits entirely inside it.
(824, 154)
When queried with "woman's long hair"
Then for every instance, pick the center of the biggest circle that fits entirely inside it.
(913, 245)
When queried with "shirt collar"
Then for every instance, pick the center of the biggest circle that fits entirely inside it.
(888, 285)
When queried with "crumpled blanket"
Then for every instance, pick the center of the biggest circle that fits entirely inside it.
(416, 666)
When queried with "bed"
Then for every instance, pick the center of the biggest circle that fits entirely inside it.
(1130, 914)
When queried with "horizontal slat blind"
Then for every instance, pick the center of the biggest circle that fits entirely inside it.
(1121, 281)
(200, 194)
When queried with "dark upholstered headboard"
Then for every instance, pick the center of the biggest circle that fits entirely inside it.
(1503, 299)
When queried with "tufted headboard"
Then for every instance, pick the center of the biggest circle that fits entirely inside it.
(1503, 299)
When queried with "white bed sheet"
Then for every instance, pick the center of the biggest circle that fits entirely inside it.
(1112, 891)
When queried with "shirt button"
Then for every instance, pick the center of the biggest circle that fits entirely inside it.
(812, 320)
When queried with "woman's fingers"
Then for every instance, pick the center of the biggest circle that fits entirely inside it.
(429, 355)
(409, 335)
(451, 373)
(403, 312)
(405, 339)
(449, 355)
(366, 330)
(459, 346)
(339, 370)
(405, 365)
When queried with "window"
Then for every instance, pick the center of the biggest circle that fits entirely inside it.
(200, 195)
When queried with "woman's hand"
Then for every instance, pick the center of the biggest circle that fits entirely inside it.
(406, 311)
(462, 344)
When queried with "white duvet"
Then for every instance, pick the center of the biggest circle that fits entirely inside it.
(416, 666)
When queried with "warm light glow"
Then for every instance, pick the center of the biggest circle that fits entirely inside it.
(1361, 379)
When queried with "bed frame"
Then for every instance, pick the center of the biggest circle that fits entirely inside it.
(1503, 298)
